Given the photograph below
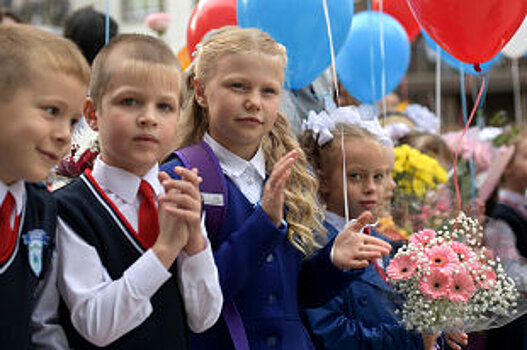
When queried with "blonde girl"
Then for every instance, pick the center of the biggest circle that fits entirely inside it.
(265, 249)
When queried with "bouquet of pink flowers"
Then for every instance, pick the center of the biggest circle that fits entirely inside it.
(447, 278)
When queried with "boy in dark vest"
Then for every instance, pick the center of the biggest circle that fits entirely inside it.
(135, 266)
(43, 82)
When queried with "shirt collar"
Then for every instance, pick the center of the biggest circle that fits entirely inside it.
(335, 220)
(18, 190)
(233, 164)
(123, 183)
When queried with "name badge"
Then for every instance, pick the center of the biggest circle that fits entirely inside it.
(215, 199)
(35, 241)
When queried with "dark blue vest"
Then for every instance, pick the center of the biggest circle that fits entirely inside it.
(17, 280)
(83, 210)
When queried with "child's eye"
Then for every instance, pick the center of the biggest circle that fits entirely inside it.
(129, 101)
(355, 176)
(379, 177)
(51, 110)
(165, 107)
(238, 86)
(74, 121)
(270, 91)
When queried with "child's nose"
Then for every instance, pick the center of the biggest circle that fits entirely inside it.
(147, 116)
(62, 132)
(253, 101)
(369, 185)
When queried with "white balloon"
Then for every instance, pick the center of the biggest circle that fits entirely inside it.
(517, 46)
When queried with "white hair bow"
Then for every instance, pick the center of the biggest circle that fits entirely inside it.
(322, 124)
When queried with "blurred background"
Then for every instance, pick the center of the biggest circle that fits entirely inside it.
(417, 86)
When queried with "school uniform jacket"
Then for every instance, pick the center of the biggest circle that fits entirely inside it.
(361, 317)
(18, 281)
(267, 278)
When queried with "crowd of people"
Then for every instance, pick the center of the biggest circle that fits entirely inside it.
(204, 220)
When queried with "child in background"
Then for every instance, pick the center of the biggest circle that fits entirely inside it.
(43, 83)
(261, 249)
(362, 316)
(117, 250)
(506, 233)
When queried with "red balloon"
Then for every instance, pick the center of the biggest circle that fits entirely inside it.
(400, 11)
(473, 31)
(208, 15)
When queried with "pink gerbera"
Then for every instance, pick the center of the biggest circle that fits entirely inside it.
(462, 286)
(401, 267)
(488, 277)
(442, 256)
(463, 252)
(436, 284)
(423, 237)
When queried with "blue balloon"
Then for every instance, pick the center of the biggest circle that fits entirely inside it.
(359, 64)
(457, 64)
(300, 25)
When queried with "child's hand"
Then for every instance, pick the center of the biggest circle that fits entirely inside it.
(196, 240)
(178, 215)
(429, 340)
(455, 337)
(353, 249)
(273, 195)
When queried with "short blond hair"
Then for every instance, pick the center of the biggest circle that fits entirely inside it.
(142, 50)
(25, 50)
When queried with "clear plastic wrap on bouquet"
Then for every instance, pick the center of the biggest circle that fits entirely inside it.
(448, 280)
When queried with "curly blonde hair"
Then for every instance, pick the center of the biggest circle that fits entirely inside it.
(303, 215)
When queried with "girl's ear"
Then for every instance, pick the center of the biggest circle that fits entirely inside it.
(199, 93)
(90, 114)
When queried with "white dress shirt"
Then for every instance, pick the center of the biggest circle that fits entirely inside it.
(102, 309)
(18, 191)
(248, 176)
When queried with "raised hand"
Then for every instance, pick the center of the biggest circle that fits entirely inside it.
(179, 216)
(273, 195)
(353, 249)
(196, 240)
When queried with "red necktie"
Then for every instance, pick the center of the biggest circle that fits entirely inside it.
(8, 234)
(379, 269)
(148, 216)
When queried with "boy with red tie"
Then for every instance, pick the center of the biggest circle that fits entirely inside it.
(122, 225)
(43, 82)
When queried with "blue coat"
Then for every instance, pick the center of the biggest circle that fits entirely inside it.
(361, 317)
(267, 278)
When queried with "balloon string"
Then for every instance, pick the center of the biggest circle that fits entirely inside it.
(438, 85)
(515, 69)
(383, 63)
(344, 177)
(456, 182)
(465, 120)
(372, 58)
(107, 23)
(332, 51)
